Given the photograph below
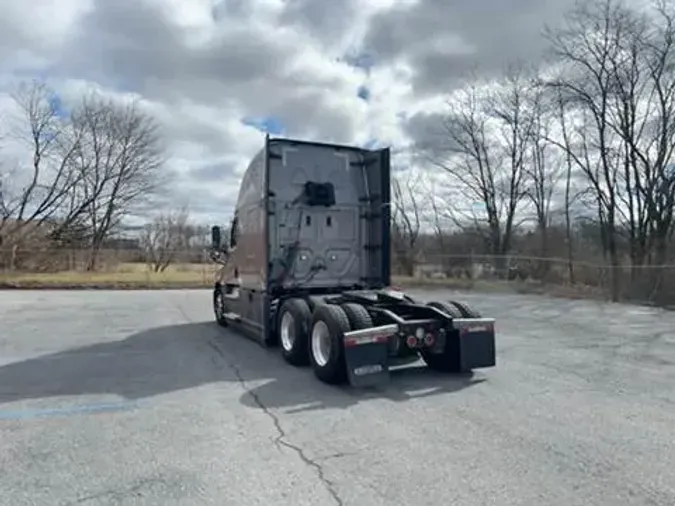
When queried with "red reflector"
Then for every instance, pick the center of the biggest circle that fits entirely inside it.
(411, 341)
(357, 341)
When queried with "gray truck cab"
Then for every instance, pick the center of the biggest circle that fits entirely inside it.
(311, 228)
(311, 218)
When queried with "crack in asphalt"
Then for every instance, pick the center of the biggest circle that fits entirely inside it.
(282, 437)
(338, 455)
(119, 494)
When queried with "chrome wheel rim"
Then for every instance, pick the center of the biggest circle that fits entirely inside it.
(218, 306)
(287, 331)
(321, 343)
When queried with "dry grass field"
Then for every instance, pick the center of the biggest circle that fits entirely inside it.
(122, 276)
(138, 276)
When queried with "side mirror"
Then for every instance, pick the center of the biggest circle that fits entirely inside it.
(215, 237)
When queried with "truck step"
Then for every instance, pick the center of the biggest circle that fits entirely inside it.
(232, 316)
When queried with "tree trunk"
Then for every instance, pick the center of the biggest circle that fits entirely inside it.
(615, 274)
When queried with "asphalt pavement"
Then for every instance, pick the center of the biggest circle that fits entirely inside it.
(138, 398)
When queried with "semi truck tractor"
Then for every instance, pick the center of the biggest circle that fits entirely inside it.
(306, 267)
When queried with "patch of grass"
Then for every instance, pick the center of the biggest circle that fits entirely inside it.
(499, 286)
(138, 276)
(125, 276)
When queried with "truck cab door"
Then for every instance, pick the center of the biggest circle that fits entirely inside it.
(233, 271)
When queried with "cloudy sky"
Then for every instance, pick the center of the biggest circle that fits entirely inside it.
(217, 73)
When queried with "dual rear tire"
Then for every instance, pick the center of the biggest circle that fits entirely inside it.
(293, 325)
(447, 360)
(317, 338)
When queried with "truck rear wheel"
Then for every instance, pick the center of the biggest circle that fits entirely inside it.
(447, 360)
(219, 306)
(465, 310)
(450, 309)
(358, 316)
(294, 319)
(326, 350)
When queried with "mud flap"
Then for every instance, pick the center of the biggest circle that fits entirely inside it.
(476, 342)
(367, 355)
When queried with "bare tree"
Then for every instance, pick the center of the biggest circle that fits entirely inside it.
(487, 135)
(644, 118)
(543, 167)
(512, 107)
(645, 121)
(49, 179)
(406, 223)
(164, 236)
(118, 163)
(6, 205)
(585, 47)
(438, 221)
(618, 78)
(467, 155)
(569, 198)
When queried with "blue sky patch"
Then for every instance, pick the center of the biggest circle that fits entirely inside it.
(270, 124)
(56, 103)
(361, 60)
(363, 93)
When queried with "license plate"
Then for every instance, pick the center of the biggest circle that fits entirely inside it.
(367, 369)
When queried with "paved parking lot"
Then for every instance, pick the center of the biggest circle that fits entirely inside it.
(138, 398)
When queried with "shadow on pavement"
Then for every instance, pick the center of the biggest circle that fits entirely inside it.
(179, 357)
(316, 396)
(298, 390)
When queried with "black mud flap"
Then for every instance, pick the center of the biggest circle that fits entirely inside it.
(367, 355)
(476, 342)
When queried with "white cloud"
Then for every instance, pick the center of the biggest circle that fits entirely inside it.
(201, 66)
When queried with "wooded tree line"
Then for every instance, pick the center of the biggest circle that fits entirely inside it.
(564, 160)
(587, 138)
(86, 171)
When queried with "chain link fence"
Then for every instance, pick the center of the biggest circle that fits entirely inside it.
(652, 284)
(193, 267)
